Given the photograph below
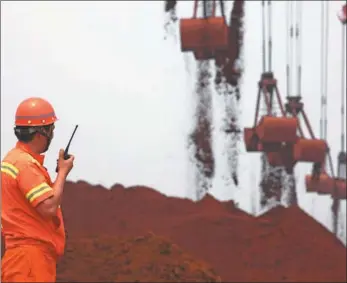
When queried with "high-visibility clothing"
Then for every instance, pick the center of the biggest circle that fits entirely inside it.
(28, 263)
(25, 184)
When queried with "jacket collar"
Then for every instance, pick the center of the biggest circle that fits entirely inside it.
(39, 157)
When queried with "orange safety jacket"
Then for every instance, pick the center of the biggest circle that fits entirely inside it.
(25, 184)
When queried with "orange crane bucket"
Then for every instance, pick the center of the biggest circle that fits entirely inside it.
(204, 55)
(204, 34)
(218, 55)
(275, 159)
(323, 185)
(282, 157)
(251, 139)
(270, 146)
(277, 129)
(310, 150)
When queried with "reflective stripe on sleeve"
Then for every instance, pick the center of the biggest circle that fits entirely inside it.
(9, 169)
(38, 191)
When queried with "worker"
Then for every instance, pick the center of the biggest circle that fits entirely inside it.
(31, 217)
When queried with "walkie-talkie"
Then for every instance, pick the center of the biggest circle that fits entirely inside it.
(66, 152)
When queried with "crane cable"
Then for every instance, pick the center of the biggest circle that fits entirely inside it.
(324, 69)
(336, 202)
(222, 8)
(210, 7)
(298, 35)
(263, 36)
(269, 19)
(343, 96)
(266, 27)
(267, 43)
(343, 89)
(294, 48)
(324, 80)
(266, 50)
(289, 48)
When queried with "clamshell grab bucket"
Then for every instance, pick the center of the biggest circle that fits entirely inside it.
(275, 159)
(270, 147)
(250, 139)
(209, 34)
(323, 185)
(310, 150)
(277, 129)
(326, 185)
(204, 55)
(283, 157)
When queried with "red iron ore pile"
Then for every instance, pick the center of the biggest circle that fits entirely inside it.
(283, 245)
(147, 258)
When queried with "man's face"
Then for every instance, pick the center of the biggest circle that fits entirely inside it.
(51, 131)
(46, 137)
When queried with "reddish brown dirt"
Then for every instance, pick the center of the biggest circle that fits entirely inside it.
(146, 258)
(281, 246)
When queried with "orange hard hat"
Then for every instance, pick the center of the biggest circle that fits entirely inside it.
(35, 111)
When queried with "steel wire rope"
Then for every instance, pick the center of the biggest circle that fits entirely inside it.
(324, 74)
(269, 19)
(298, 37)
(289, 49)
(343, 89)
(263, 36)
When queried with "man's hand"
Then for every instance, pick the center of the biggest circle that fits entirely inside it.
(48, 207)
(65, 166)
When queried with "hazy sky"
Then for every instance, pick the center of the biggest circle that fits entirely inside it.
(106, 66)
